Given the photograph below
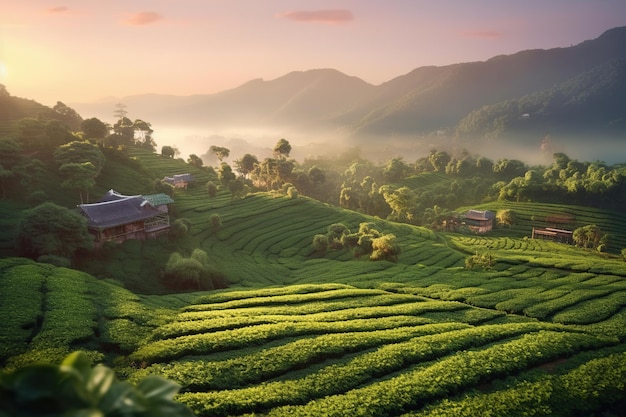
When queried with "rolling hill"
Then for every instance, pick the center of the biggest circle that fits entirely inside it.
(421, 102)
(307, 333)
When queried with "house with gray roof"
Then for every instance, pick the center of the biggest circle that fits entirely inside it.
(179, 180)
(479, 221)
(117, 217)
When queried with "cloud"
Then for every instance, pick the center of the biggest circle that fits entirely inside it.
(143, 18)
(58, 9)
(484, 34)
(319, 16)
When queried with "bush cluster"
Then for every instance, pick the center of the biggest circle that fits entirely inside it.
(367, 241)
(192, 273)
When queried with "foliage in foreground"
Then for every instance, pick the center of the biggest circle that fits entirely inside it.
(75, 389)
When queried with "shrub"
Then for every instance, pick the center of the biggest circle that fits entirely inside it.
(320, 243)
(180, 228)
(484, 261)
(385, 248)
(216, 222)
(292, 192)
(192, 273)
(506, 217)
(160, 186)
(55, 260)
(589, 236)
(211, 188)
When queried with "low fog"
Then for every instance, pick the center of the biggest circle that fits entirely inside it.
(260, 142)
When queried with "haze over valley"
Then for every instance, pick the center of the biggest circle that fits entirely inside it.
(313, 208)
(508, 105)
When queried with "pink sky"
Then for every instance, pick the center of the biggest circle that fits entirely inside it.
(83, 50)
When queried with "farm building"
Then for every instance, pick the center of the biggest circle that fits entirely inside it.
(550, 233)
(117, 217)
(479, 221)
(179, 180)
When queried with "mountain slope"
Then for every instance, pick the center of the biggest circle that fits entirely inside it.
(433, 98)
(590, 103)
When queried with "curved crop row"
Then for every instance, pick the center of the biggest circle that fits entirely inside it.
(333, 390)
(236, 338)
(448, 375)
(273, 361)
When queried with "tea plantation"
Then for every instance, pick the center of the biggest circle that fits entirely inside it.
(304, 333)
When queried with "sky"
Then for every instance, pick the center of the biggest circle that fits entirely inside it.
(84, 50)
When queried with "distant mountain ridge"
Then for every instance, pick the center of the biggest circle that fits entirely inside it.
(423, 101)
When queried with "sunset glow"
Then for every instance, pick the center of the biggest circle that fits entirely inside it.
(77, 51)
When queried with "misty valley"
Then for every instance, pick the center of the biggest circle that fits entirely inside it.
(449, 243)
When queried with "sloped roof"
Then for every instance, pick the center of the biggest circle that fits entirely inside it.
(156, 200)
(118, 211)
(480, 215)
(179, 178)
(160, 199)
(112, 195)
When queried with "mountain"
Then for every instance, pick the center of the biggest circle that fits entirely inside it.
(300, 98)
(433, 98)
(13, 109)
(590, 103)
(425, 100)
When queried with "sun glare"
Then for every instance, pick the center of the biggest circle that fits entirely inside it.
(3, 72)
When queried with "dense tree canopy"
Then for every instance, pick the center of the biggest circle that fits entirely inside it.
(50, 229)
(94, 128)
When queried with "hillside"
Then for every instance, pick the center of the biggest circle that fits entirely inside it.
(301, 332)
(13, 109)
(588, 105)
(409, 107)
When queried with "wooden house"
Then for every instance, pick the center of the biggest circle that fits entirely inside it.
(117, 217)
(179, 180)
(479, 221)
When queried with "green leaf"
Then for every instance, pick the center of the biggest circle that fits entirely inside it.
(99, 382)
(154, 387)
(84, 413)
(77, 362)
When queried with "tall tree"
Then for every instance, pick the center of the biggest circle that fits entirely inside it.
(282, 148)
(68, 115)
(79, 152)
(225, 174)
(144, 130)
(79, 177)
(220, 152)
(246, 164)
(169, 151)
(31, 133)
(50, 229)
(195, 161)
(94, 128)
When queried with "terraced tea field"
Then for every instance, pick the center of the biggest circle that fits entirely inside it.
(331, 348)
(302, 333)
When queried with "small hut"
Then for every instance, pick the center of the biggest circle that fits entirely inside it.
(479, 221)
(179, 180)
(117, 217)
